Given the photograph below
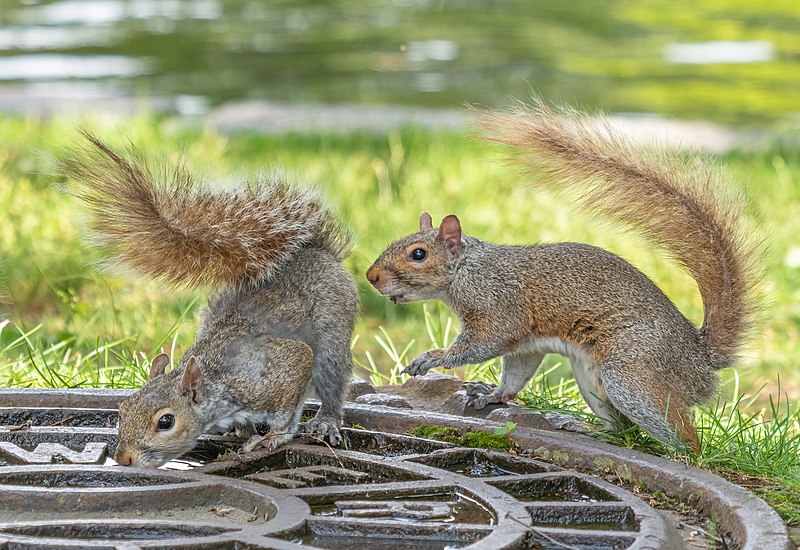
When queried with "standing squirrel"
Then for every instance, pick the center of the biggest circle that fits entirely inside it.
(282, 311)
(635, 357)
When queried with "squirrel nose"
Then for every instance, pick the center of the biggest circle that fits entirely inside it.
(374, 276)
(123, 456)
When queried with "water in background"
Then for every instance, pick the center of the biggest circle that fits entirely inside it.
(726, 60)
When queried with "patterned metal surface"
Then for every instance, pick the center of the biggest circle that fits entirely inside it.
(382, 491)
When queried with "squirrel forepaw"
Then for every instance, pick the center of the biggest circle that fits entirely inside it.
(424, 362)
(270, 441)
(276, 440)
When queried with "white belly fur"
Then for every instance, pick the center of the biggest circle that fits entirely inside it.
(586, 372)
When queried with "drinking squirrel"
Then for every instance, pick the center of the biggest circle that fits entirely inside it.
(281, 312)
(635, 357)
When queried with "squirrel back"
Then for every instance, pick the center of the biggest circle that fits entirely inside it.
(171, 227)
(282, 308)
(673, 202)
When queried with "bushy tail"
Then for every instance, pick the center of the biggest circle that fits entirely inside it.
(673, 201)
(170, 227)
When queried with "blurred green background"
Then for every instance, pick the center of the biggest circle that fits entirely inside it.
(731, 62)
(735, 61)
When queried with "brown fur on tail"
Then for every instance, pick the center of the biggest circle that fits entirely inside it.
(672, 201)
(172, 228)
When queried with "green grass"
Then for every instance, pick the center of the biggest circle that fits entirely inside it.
(66, 323)
(379, 183)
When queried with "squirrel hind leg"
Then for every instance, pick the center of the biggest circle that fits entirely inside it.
(667, 417)
(282, 429)
(284, 433)
(518, 369)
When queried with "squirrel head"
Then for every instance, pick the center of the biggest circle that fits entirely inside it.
(160, 422)
(421, 265)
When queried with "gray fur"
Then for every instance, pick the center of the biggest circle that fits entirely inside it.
(634, 355)
(280, 317)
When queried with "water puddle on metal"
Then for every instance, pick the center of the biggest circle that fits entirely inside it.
(613, 518)
(450, 507)
(555, 489)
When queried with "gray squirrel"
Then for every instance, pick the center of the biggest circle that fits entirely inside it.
(280, 317)
(635, 357)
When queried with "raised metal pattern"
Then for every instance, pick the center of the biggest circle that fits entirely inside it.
(381, 491)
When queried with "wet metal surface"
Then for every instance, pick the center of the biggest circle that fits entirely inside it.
(379, 491)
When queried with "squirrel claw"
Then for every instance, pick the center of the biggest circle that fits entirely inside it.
(270, 441)
(567, 422)
(414, 370)
(475, 389)
(424, 362)
(324, 428)
(252, 443)
(479, 403)
(482, 394)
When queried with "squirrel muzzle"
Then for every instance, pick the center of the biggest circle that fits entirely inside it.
(125, 457)
(375, 277)
(385, 283)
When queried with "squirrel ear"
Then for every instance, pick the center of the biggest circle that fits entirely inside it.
(192, 381)
(450, 234)
(425, 222)
(159, 365)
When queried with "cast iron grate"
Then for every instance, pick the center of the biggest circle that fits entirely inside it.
(58, 489)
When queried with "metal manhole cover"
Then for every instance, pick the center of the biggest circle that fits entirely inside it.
(383, 491)
(96, 506)
(449, 498)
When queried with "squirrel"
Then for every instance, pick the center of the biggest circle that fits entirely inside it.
(279, 319)
(635, 357)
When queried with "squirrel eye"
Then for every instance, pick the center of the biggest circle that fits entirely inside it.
(419, 254)
(166, 422)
